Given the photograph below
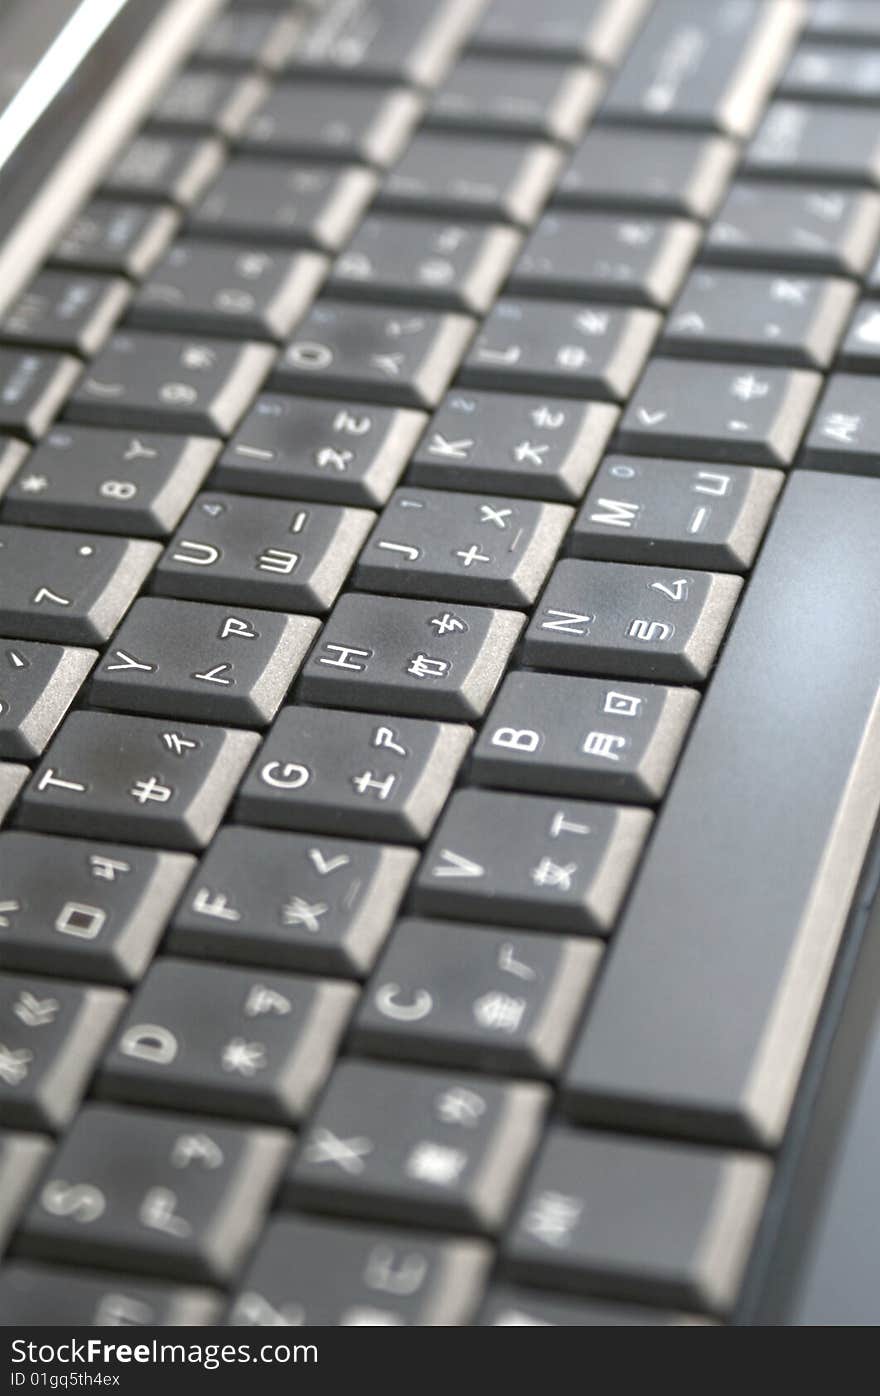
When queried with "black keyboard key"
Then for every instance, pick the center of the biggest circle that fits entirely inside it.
(642, 261)
(292, 901)
(547, 101)
(462, 547)
(110, 236)
(472, 177)
(337, 452)
(765, 316)
(719, 412)
(410, 41)
(38, 684)
(829, 72)
(111, 481)
(138, 779)
(22, 1159)
(33, 387)
(860, 351)
(675, 514)
(843, 21)
(274, 201)
(164, 382)
(522, 860)
(211, 288)
(509, 1306)
(450, 995)
(546, 448)
(807, 141)
(262, 552)
(419, 261)
(212, 102)
(66, 310)
(41, 1295)
(543, 346)
(12, 778)
(73, 588)
(350, 773)
(423, 658)
(334, 121)
(165, 168)
(417, 1146)
(232, 1042)
(646, 622)
(639, 1219)
(405, 357)
(795, 228)
(155, 1192)
(214, 663)
(240, 40)
(78, 910)
(586, 737)
(706, 66)
(845, 432)
(51, 1036)
(671, 172)
(563, 29)
(336, 1274)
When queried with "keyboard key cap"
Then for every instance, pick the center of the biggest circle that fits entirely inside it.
(420, 262)
(806, 141)
(338, 452)
(12, 778)
(410, 41)
(417, 1146)
(39, 1295)
(33, 387)
(675, 514)
(423, 658)
(262, 552)
(597, 29)
(716, 948)
(260, 39)
(52, 1036)
(706, 66)
(334, 121)
(531, 861)
(860, 350)
(832, 73)
(110, 236)
(212, 102)
(546, 100)
(795, 320)
(468, 996)
(508, 1306)
(163, 382)
(405, 357)
(12, 453)
(543, 346)
(22, 1160)
(795, 228)
(546, 448)
(718, 412)
(111, 481)
(640, 261)
(181, 659)
(274, 201)
(671, 172)
(349, 773)
(232, 1041)
(166, 168)
(209, 288)
(843, 21)
(472, 177)
(155, 1192)
(845, 433)
(66, 310)
(639, 1219)
(78, 910)
(647, 622)
(585, 737)
(73, 588)
(39, 683)
(462, 547)
(308, 1271)
(137, 779)
(292, 901)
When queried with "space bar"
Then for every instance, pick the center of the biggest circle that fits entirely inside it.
(703, 1018)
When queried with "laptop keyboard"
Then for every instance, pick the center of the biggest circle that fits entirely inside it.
(386, 457)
